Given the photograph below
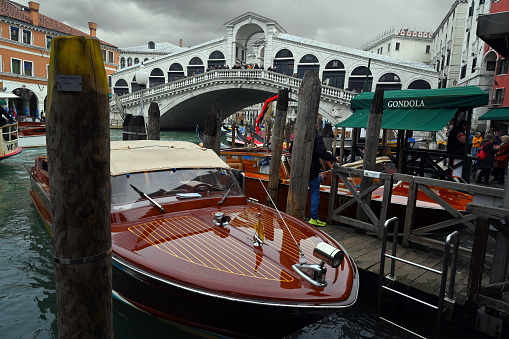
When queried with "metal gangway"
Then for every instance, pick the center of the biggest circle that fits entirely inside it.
(391, 278)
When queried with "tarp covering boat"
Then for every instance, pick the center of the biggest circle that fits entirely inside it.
(149, 157)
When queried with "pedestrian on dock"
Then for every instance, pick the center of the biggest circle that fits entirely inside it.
(457, 138)
(315, 178)
(5, 118)
(501, 160)
(486, 164)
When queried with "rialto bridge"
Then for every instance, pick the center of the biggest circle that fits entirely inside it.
(185, 88)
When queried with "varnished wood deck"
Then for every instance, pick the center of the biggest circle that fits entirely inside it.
(366, 252)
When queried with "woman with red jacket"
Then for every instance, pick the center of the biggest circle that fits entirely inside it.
(501, 163)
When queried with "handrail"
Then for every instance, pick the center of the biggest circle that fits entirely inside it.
(234, 74)
(445, 269)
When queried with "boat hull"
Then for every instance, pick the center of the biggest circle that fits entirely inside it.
(209, 311)
(32, 141)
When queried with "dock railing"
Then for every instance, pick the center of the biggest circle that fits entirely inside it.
(411, 234)
(442, 298)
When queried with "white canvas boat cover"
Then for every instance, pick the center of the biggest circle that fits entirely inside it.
(134, 156)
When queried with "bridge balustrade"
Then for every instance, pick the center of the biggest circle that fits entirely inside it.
(229, 74)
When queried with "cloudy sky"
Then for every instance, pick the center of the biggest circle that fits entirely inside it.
(126, 23)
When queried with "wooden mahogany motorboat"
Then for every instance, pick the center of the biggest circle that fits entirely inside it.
(254, 162)
(188, 246)
(9, 141)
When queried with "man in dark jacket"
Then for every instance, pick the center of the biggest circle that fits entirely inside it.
(457, 138)
(5, 118)
(486, 164)
(315, 178)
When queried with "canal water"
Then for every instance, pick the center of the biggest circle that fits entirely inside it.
(27, 289)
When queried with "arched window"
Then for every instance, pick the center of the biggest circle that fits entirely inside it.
(122, 62)
(389, 82)
(216, 55)
(195, 61)
(361, 70)
(309, 59)
(389, 77)
(136, 61)
(195, 66)
(175, 72)
(151, 45)
(121, 87)
(216, 59)
(283, 62)
(335, 64)
(419, 84)
(129, 62)
(334, 74)
(308, 62)
(156, 77)
(357, 81)
(284, 53)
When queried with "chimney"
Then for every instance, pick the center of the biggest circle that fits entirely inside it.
(93, 28)
(34, 12)
(180, 42)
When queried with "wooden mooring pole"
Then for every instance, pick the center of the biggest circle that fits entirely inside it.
(304, 139)
(134, 128)
(212, 133)
(371, 146)
(78, 146)
(154, 126)
(277, 146)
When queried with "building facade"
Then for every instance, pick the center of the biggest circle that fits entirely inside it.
(501, 79)
(446, 50)
(25, 46)
(402, 44)
(477, 67)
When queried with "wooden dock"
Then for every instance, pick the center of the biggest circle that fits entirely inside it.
(366, 252)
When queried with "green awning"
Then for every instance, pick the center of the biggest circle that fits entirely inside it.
(455, 97)
(414, 119)
(499, 113)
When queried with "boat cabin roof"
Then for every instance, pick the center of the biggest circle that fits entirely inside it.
(134, 156)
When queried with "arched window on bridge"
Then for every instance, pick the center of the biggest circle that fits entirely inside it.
(334, 74)
(389, 82)
(195, 65)
(216, 58)
(419, 84)
(358, 80)
(135, 87)
(175, 72)
(308, 62)
(122, 62)
(283, 61)
(146, 59)
(121, 87)
(136, 61)
(129, 62)
(156, 77)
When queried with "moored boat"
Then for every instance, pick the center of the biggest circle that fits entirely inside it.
(9, 141)
(32, 132)
(255, 165)
(189, 247)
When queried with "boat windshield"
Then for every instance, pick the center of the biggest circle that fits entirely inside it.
(177, 183)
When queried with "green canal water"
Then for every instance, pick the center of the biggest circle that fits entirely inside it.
(27, 289)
